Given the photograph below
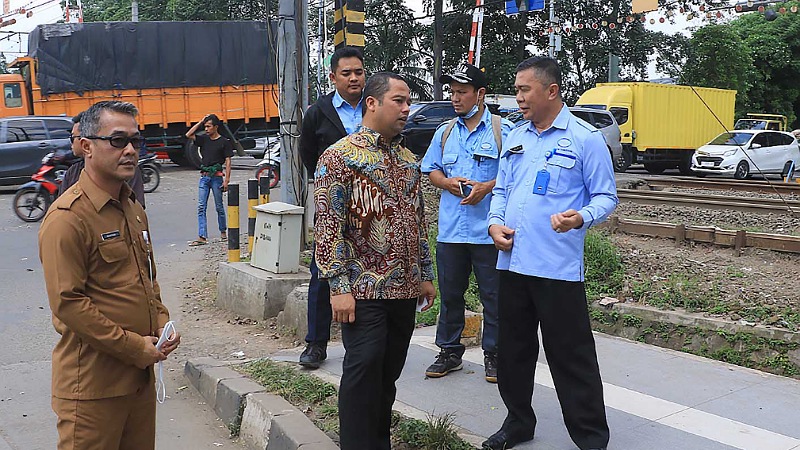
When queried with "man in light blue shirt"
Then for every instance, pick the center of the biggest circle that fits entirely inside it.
(349, 115)
(462, 161)
(555, 180)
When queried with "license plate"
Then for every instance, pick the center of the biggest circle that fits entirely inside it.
(707, 164)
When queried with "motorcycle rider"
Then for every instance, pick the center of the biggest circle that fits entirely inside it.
(74, 172)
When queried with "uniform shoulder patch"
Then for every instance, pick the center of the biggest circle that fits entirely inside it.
(69, 197)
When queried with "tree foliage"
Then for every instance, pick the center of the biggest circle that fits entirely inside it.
(150, 10)
(753, 55)
(392, 40)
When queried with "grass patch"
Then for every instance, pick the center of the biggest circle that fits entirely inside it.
(678, 290)
(604, 269)
(318, 399)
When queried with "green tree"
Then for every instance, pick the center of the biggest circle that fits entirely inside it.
(3, 63)
(718, 57)
(392, 43)
(753, 55)
(150, 10)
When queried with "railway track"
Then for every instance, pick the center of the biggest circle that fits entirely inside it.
(748, 204)
(764, 187)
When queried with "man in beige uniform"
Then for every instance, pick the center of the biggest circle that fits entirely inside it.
(100, 274)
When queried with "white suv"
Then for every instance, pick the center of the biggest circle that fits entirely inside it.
(742, 153)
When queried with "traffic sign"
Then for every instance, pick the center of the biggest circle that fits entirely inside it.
(518, 6)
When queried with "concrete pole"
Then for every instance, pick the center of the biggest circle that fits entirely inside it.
(438, 47)
(134, 11)
(551, 49)
(293, 87)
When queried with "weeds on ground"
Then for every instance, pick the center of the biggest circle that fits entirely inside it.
(678, 290)
(319, 400)
(604, 269)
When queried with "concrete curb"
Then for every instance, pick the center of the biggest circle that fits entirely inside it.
(264, 421)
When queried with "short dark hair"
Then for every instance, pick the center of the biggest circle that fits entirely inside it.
(378, 85)
(547, 69)
(214, 120)
(345, 52)
(90, 119)
(77, 118)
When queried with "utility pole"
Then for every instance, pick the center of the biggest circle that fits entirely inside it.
(134, 11)
(551, 48)
(438, 48)
(321, 41)
(293, 88)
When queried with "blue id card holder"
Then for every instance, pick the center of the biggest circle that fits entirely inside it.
(541, 181)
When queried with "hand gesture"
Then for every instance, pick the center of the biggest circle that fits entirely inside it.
(502, 236)
(565, 221)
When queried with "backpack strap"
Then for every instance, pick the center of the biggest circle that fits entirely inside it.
(498, 133)
(447, 130)
(496, 130)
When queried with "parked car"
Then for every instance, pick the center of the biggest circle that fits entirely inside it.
(425, 118)
(422, 122)
(24, 141)
(603, 121)
(742, 153)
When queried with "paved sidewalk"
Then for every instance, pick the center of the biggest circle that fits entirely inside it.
(657, 399)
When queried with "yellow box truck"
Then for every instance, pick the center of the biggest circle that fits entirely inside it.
(661, 125)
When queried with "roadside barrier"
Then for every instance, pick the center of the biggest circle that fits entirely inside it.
(234, 254)
(252, 202)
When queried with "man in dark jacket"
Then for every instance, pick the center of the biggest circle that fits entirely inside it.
(74, 172)
(331, 118)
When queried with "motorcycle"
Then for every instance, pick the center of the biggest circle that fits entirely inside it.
(151, 172)
(34, 197)
(270, 166)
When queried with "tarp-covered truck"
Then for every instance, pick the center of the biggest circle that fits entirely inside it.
(174, 72)
(662, 124)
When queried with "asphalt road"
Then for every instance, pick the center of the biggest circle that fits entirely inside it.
(26, 420)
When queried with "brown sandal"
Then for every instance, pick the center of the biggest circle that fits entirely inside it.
(197, 242)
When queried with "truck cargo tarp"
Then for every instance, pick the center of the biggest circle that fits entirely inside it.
(80, 57)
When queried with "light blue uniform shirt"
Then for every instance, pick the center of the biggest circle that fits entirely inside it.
(350, 117)
(581, 178)
(472, 155)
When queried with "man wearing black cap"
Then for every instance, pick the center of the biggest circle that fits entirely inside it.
(462, 161)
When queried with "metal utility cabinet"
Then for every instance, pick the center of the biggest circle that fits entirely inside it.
(277, 239)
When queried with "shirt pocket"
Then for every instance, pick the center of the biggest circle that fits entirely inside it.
(488, 163)
(115, 268)
(562, 164)
(449, 161)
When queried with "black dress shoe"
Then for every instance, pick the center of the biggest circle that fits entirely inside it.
(502, 440)
(313, 355)
(598, 448)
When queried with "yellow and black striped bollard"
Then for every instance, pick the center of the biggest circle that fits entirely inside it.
(234, 254)
(252, 202)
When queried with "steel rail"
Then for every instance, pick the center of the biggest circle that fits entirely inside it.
(747, 204)
(772, 187)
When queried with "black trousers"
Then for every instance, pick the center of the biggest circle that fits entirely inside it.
(376, 345)
(454, 263)
(559, 307)
(319, 314)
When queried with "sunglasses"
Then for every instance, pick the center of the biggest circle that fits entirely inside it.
(119, 141)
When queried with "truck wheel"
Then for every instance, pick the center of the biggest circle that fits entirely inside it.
(742, 171)
(624, 161)
(192, 154)
(655, 168)
(685, 166)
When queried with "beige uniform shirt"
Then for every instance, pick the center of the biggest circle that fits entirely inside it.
(101, 283)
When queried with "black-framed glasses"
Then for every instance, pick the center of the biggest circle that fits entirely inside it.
(120, 141)
(73, 137)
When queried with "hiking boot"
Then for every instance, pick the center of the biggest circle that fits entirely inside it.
(490, 364)
(445, 363)
(313, 355)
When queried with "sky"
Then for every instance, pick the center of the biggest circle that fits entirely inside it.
(43, 11)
